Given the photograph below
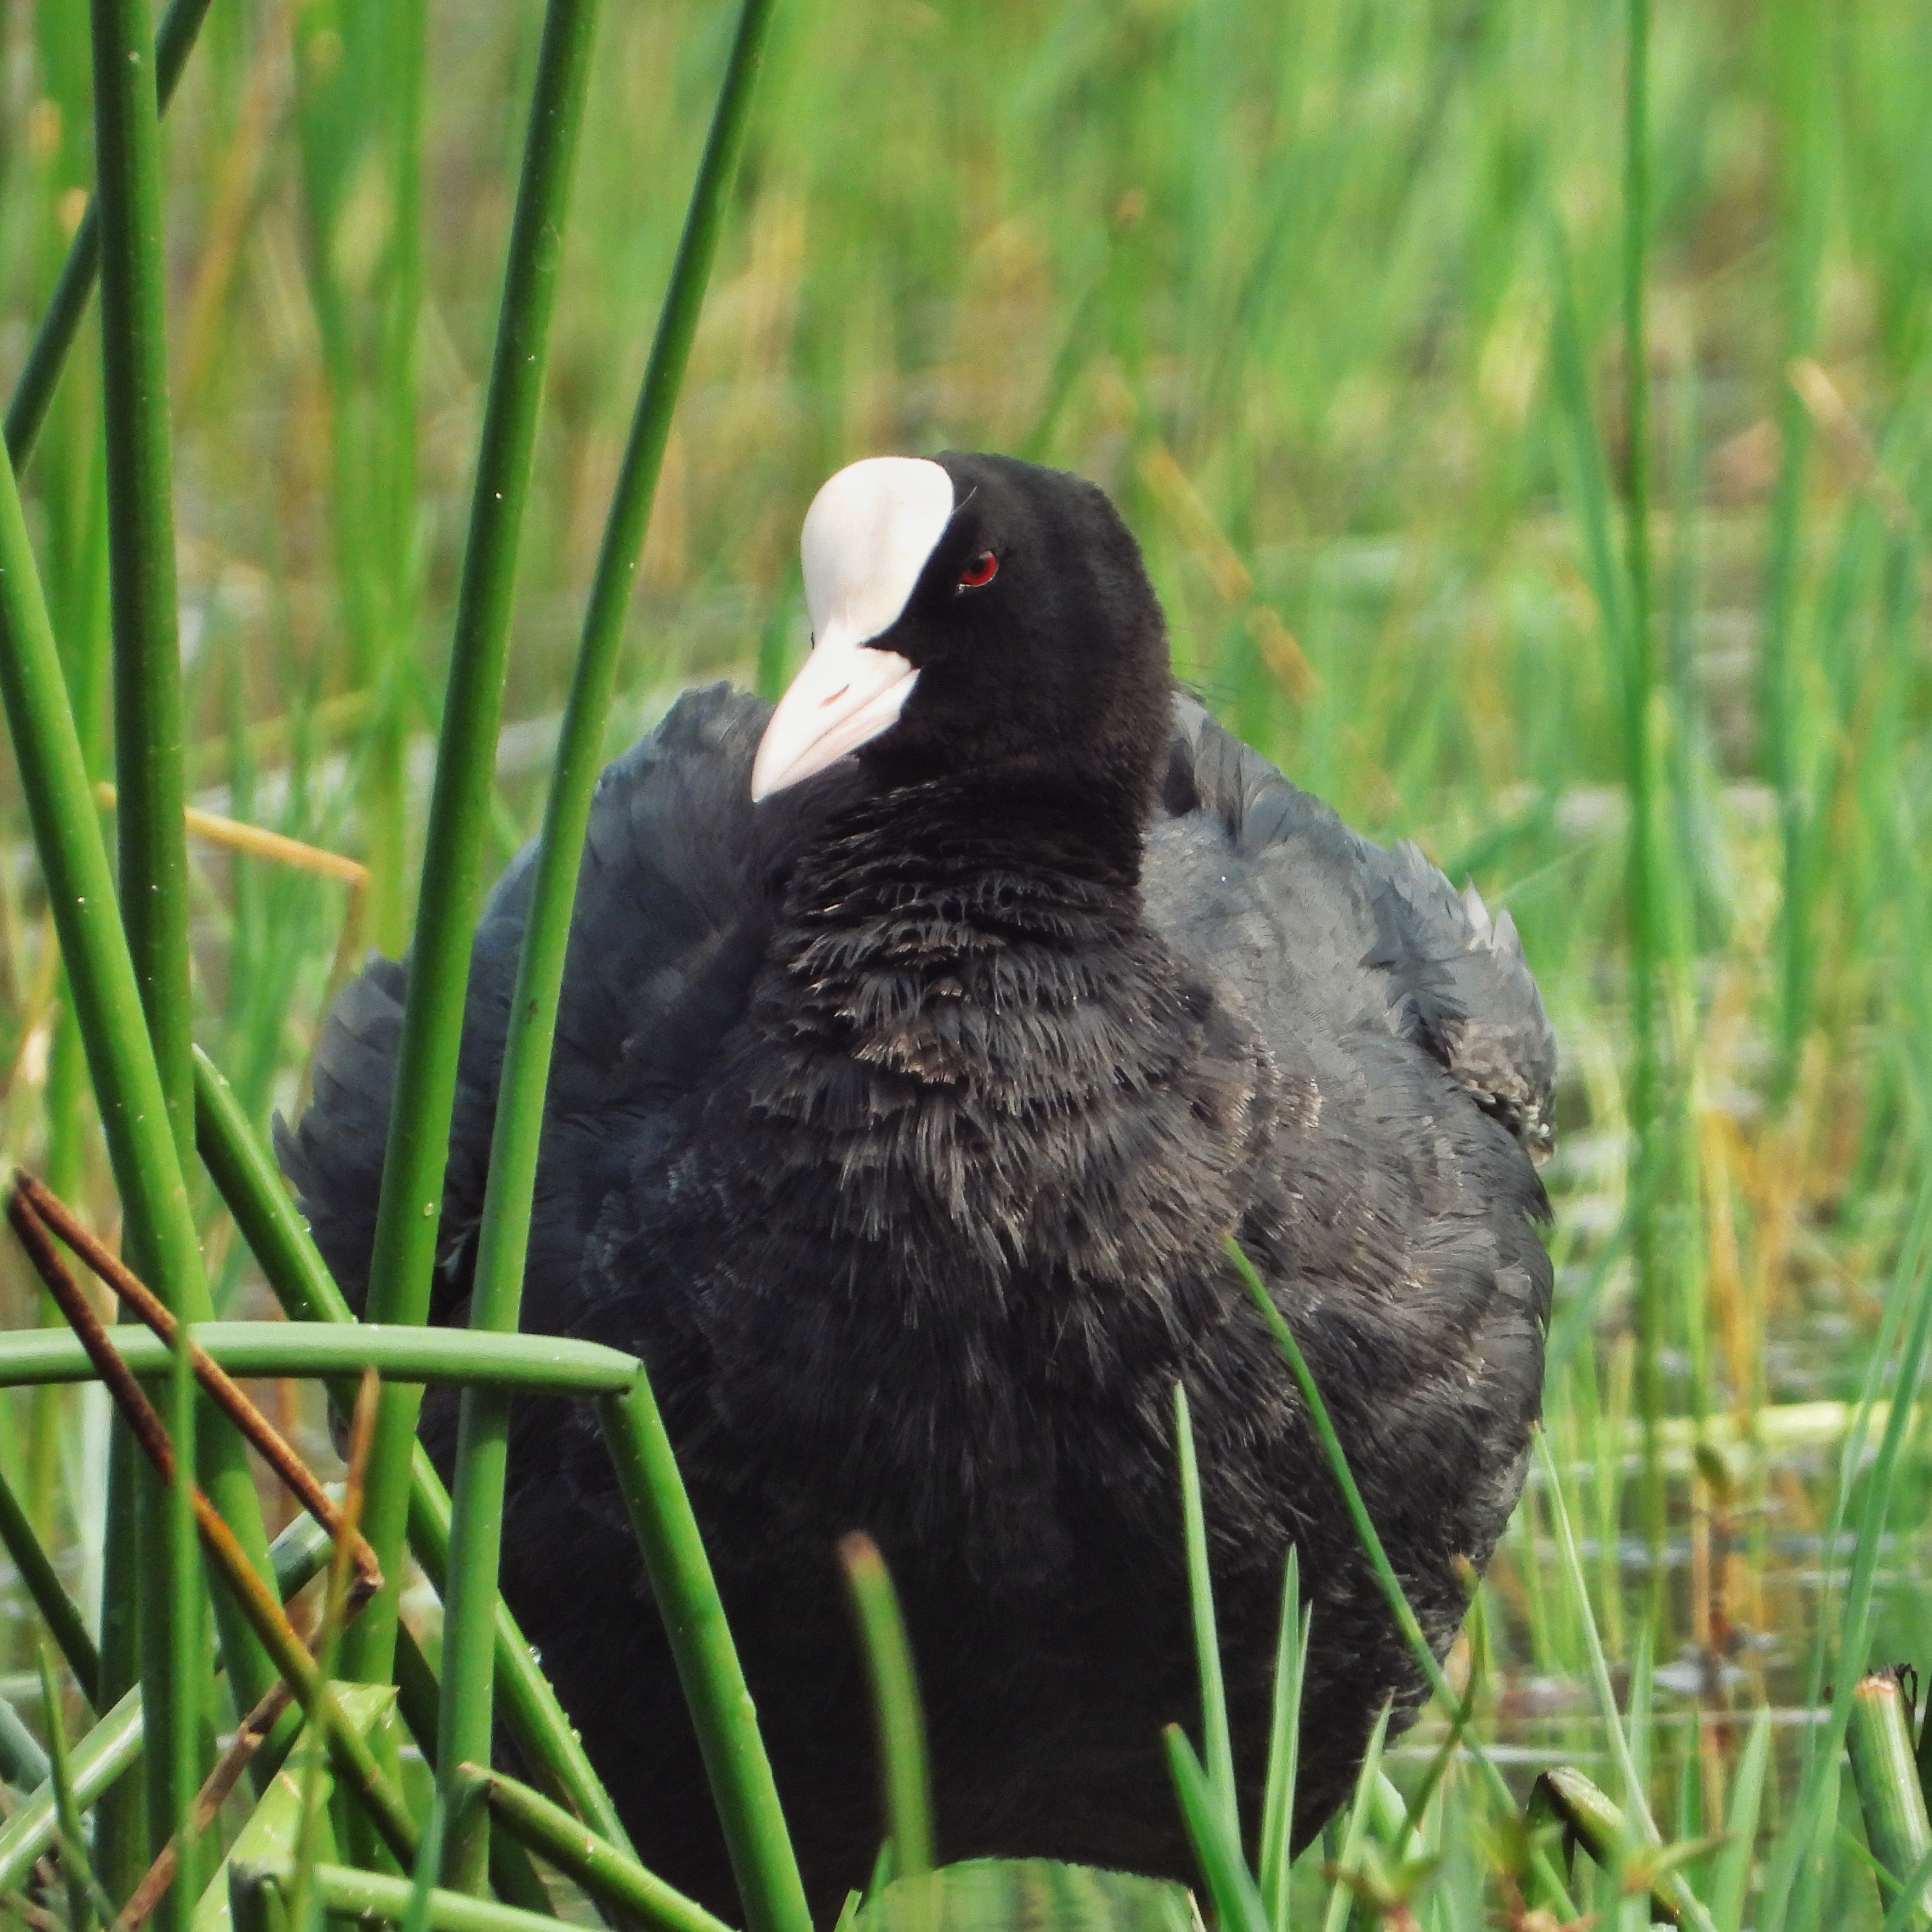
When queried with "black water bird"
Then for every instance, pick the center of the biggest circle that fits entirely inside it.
(903, 1103)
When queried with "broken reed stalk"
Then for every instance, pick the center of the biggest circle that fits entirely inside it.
(256, 842)
(249, 1737)
(261, 1434)
(354, 1761)
(1878, 1741)
(609, 1875)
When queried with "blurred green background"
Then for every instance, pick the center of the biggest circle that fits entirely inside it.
(1331, 297)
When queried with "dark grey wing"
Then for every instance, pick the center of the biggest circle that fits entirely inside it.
(1395, 1205)
(1455, 981)
(674, 899)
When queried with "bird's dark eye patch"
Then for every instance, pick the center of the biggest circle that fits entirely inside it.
(979, 570)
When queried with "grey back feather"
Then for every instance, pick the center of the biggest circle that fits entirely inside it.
(1345, 920)
(680, 878)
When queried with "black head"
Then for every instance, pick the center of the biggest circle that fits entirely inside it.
(975, 616)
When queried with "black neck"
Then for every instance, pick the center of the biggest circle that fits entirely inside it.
(993, 849)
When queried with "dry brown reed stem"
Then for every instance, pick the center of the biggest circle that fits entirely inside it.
(142, 1419)
(344, 1602)
(149, 1429)
(256, 841)
(208, 1800)
(221, 1389)
(291, 1657)
(351, 1552)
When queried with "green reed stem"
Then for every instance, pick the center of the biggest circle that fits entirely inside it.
(539, 1364)
(514, 1878)
(536, 248)
(134, 1116)
(188, 1662)
(644, 454)
(153, 843)
(153, 868)
(94, 1764)
(504, 1236)
(141, 553)
(59, 1610)
(1878, 1740)
(253, 1189)
(604, 1872)
(251, 1185)
(417, 1151)
(686, 1596)
(1642, 777)
(40, 374)
(343, 1892)
(1800, 66)
(405, 31)
(121, 1844)
(526, 1701)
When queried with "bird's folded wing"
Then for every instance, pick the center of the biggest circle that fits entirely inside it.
(1393, 930)
(674, 899)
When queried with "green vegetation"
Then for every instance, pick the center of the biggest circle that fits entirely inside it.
(1537, 465)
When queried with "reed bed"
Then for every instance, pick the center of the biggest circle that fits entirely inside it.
(1524, 413)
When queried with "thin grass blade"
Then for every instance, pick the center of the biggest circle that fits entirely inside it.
(1815, 1801)
(1731, 1881)
(1217, 1738)
(902, 1724)
(67, 1812)
(1613, 1720)
(1372, 1546)
(1237, 1904)
(1355, 1826)
(1291, 1663)
(429, 1857)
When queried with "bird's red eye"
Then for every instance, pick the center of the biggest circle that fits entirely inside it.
(979, 572)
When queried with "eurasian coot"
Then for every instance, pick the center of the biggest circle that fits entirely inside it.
(903, 1103)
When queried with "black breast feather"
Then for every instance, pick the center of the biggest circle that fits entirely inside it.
(1258, 881)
